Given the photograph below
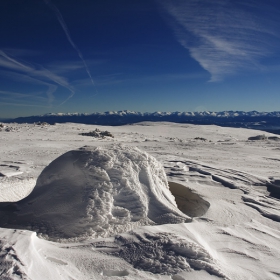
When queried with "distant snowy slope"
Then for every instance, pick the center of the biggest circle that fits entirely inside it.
(257, 120)
(163, 114)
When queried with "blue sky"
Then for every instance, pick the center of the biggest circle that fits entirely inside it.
(146, 55)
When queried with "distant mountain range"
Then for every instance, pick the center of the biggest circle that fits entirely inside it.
(268, 121)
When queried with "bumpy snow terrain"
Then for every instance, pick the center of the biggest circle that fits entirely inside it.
(108, 211)
(96, 192)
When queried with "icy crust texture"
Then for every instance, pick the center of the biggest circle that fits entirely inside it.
(165, 253)
(98, 192)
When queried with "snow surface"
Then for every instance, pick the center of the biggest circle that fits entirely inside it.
(96, 192)
(227, 184)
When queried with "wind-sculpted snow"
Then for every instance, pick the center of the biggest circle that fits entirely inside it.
(15, 182)
(268, 206)
(96, 192)
(165, 253)
(233, 179)
(188, 201)
(11, 265)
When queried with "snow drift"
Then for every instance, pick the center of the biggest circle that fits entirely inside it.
(187, 201)
(96, 192)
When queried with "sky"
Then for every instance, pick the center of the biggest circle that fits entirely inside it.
(147, 55)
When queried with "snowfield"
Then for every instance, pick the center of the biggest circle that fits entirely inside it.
(156, 201)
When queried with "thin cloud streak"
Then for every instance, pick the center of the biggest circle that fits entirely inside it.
(13, 98)
(63, 67)
(22, 105)
(224, 36)
(18, 95)
(119, 78)
(14, 61)
(43, 75)
(52, 89)
(67, 33)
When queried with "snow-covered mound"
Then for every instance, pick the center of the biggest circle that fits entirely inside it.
(96, 192)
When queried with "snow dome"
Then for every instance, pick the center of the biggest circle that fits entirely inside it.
(96, 192)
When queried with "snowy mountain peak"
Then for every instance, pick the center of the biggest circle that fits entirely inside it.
(160, 113)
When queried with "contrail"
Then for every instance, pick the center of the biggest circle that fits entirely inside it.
(13, 60)
(67, 33)
(42, 73)
(52, 89)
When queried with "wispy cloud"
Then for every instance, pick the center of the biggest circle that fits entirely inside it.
(13, 62)
(4, 94)
(22, 99)
(22, 104)
(225, 36)
(120, 78)
(69, 38)
(37, 74)
(64, 67)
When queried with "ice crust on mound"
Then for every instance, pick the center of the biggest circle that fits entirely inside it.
(165, 253)
(96, 192)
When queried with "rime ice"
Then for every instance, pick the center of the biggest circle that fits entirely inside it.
(98, 192)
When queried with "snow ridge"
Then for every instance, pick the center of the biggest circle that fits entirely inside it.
(220, 114)
(252, 119)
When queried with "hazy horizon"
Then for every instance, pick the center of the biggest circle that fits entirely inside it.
(131, 111)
